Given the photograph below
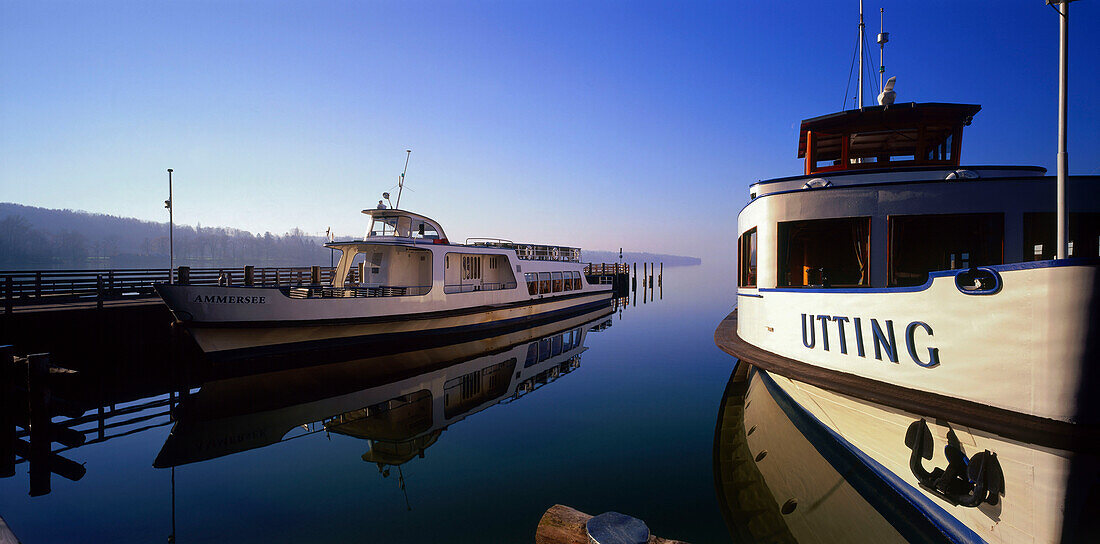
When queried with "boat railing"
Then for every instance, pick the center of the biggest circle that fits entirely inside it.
(321, 291)
(471, 287)
(531, 252)
(606, 269)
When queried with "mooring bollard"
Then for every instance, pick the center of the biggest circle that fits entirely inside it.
(249, 275)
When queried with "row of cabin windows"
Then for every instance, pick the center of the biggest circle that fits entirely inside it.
(552, 282)
(836, 252)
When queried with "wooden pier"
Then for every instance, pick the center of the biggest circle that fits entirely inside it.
(52, 290)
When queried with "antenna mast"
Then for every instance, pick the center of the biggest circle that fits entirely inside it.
(883, 37)
(860, 54)
(401, 180)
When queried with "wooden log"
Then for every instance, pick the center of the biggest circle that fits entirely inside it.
(564, 525)
(6, 536)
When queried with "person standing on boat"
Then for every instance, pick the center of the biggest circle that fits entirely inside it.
(381, 206)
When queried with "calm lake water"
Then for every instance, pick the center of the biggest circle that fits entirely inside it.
(629, 428)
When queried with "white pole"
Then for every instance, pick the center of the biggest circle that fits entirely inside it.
(171, 228)
(1063, 155)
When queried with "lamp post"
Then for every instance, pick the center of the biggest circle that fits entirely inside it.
(171, 227)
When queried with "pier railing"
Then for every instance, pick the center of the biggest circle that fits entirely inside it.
(21, 288)
(606, 269)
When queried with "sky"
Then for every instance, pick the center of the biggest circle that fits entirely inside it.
(592, 124)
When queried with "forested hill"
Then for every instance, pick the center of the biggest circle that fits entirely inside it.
(41, 238)
(32, 237)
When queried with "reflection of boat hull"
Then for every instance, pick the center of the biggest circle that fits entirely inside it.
(1038, 460)
(242, 413)
(779, 481)
(243, 340)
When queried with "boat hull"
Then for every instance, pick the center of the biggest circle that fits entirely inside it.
(1025, 346)
(223, 341)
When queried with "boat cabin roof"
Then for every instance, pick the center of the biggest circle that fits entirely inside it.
(403, 224)
(906, 135)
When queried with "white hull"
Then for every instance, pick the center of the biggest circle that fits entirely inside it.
(1021, 349)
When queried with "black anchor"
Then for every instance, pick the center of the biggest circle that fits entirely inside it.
(965, 482)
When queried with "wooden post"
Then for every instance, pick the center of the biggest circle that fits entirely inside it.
(99, 291)
(184, 276)
(661, 276)
(315, 275)
(9, 300)
(249, 275)
(276, 277)
(7, 411)
(37, 285)
(38, 400)
(634, 282)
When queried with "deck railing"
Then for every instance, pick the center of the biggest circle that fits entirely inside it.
(606, 269)
(531, 252)
(358, 292)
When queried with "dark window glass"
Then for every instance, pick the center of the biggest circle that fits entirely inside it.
(824, 252)
(1041, 235)
(746, 256)
(920, 244)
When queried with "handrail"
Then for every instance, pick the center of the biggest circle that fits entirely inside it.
(30, 287)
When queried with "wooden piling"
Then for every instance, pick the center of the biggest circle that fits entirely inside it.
(249, 275)
(7, 411)
(634, 282)
(661, 275)
(9, 292)
(315, 275)
(184, 275)
(38, 401)
(99, 292)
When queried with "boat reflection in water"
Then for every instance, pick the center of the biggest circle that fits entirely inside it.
(783, 476)
(400, 404)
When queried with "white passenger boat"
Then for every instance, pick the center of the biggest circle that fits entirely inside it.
(403, 280)
(916, 308)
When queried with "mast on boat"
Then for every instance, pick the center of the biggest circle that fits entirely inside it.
(401, 180)
(860, 102)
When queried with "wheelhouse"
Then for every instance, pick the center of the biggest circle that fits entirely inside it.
(884, 203)
(885, 136)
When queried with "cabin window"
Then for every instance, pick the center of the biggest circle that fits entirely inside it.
(425, 230)
(532, 354)
(1040, 235)
(828, 153)
(882, 146)
(557, 282)
(824, 252)
(544, 283)
(557, 348)
(544, 349)
(746, 257)
(384, 226)
(532, 283)
(920, 244)
(471, 267)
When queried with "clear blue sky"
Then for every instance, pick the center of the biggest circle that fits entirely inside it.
(598, 124)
